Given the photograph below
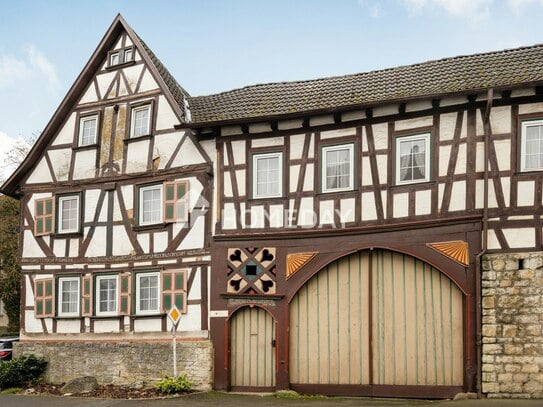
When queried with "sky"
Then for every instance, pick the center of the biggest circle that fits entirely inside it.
(212, 46)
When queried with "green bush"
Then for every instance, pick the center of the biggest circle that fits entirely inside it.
(21, 371)
(178, 384)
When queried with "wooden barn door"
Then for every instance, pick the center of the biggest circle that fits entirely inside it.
(252, 350)
(375, 321)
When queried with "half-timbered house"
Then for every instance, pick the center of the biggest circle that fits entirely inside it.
(354, 230)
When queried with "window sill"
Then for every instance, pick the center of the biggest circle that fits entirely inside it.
(86, 147)
(154, 226)
(413, 185)
(137, 138)
(67, 235)
(529, 173)
(117, 66)
(144, 316)
(66, 317)
(265, 199)
(105, 317)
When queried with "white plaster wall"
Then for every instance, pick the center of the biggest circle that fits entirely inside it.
(30, 247)
(259, 128)
(413, 123)
(106, 325)
(354, 115)
(257, 216)
(385, 110)
(294, 175)
(347, 210)
(60, 159)
(525, 193)
(60, 247)
(240, 177)
(267, 142)
(160, 241)
(500, 119)
(326, 212)
(444, 157)
(296, 146)
(458, 196)
(148, 325)
(493, 243)
(366, 171)
(195, 237)
(530, 108)
(166, 118)
(230, 130)
(104, 80)
(461, 160)
(40, 173)
(418, 105)
(74, 247)
(451, 101)
(192, 320)
(66, 133)
(165, 145)
(401, 205)
(369, 211)
(91, 202)
(29, 300)
(503, 154)
(188, 154)
(229, 216)
(238, 150)
(128, 196)
(132, 74)
(90, 95)
(32, 325)
(321, 120)
(227, 185)
(97, 245)
(148, 82)
(121, 243)
(70, 326)
(519, 237)
(380, 136)
(136, 156)
(289, 124)
(350, 131)
(143, 240)
(276, 216)
(85, 164)
(423, 202)
(306, 217)
(382, 160)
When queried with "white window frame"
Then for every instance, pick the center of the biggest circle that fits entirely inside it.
(141, 190)
(336, 147)
(98, 298)
(125, 52)
(419, 136)
(256, 157)
(82, 120)
(139, 311)
(524, 125)
(133, 112)
(62, 280)
(61, 200)
(112, 55)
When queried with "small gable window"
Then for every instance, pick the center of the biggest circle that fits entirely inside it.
(68, 214)
(140, 121)
(121, 56)
(88, 130)
(267, 175)
(338, 168)
(413, 159)
(531, 150)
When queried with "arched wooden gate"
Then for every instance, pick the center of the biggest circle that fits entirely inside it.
(373, 321)
(252, 350)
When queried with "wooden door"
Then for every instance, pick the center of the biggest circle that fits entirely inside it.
(377, 318)
(252, 349)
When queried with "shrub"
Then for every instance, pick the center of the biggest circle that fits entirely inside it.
(178, 384)
(21, 371)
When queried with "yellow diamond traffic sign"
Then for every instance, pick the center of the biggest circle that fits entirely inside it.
(174, 314)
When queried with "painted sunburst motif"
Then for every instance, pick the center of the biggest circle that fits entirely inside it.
(295, 261)
(456, 250)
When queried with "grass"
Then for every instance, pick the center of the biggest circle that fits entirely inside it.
(12, 390)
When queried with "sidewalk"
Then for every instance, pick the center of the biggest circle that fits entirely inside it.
(237, 400)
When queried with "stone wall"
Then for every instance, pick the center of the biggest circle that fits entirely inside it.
(123, 362)
(512, 307)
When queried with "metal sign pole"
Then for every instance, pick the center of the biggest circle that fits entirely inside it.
(174, 329)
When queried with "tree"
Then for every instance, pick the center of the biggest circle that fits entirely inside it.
(10, 276)
(10, 273)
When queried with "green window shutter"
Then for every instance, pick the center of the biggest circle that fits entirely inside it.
(44, 216)
(167, 281)
(49, 206)
(86, 296)
(48, 225)
(180, 302)
(174, 290)
(180, 281)
(39, 207)
(44, 301)
(39, 227)
(125, 292)
(166, 301)
(181, 189)
(169, 211)
(170, 189)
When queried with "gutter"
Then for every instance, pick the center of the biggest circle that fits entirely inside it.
(478, 267)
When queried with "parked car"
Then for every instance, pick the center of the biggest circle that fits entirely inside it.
(6, 347)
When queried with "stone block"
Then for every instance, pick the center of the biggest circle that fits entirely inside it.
(533, 387)
(491, 387)
(512, 368)
(498, 264)
(492, 349)
(489, 330)
(526, 274)
(510, 387)
(511, 264)
(510, 349)
(489, 302)
(530, 368)
(509, 331)
(520, 377)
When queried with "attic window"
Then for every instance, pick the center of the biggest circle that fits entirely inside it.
(121, 56)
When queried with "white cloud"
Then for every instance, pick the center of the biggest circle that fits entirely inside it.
(373, 8)
(470, 9)
(31, 65)
(519, 6)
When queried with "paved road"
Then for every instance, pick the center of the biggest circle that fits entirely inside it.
(234, 400)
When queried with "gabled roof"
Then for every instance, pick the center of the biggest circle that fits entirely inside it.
(173, 92)
(501, 69)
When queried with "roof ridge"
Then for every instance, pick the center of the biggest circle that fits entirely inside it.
(376, 71)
